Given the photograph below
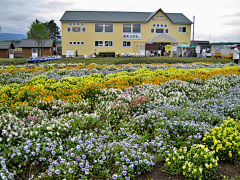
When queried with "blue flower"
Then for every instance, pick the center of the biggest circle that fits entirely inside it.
(50, 173)
(114, 176)
(124, 173)
(70, 170)
(57, 171)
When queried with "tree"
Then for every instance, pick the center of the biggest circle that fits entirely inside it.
(53, 29)
(38, 32)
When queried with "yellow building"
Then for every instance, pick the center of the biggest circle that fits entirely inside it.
(135, 33)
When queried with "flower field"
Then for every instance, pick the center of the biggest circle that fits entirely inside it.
(117, 121)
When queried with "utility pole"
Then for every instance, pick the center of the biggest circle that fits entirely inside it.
(193, 26)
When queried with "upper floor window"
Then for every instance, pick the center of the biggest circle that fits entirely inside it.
(136, 28)
(103, 27)
(76, 29)
(182, 29)
(128, 28)
(70, 24)
(159, 31)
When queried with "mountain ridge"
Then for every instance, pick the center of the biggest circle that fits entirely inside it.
(9, 36)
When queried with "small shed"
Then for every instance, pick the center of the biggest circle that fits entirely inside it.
(30, 48)
(6, 49)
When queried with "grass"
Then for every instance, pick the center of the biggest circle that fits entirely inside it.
(135, 60)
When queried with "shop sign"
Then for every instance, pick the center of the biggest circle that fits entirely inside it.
(132, 36)
(168, 48)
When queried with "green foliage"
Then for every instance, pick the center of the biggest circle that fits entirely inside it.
(38, 32)
(52, 29)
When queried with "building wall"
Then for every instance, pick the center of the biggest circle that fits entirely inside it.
(90, 36)
(4, 53)
(27, 52)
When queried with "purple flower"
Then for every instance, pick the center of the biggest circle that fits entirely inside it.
(124, 173)
(57, 171)
(70, 170)
(114, 176)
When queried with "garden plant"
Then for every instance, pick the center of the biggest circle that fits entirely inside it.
(102, 121)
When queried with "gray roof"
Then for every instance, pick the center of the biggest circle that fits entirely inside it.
(117, 16)
(32, 43)
(6, 45)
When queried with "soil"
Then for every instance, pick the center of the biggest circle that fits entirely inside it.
(227, 169)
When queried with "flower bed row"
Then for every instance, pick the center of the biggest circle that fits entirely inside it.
(100, 127)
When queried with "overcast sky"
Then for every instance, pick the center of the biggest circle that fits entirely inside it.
(215, 20)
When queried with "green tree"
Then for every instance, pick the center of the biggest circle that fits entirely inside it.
(38, 32)
(53, 29)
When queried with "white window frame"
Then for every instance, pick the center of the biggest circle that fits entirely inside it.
(98, 41)
(78, 43)
(82, 24)
(76, 31)
(158, 32)
(165, 25)
(78, 24)
(74, 24)
(68, 29)
(126, 43)
(154, 25)
(70, 24)
(166, 31)
(82, 42)
(70, 43)
(83, 29)
(153, 30)
(108, 45)
(182, 27)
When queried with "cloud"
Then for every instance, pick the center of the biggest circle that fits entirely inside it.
(233, 23)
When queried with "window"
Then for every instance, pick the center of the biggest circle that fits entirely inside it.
(154, 25)
(83, 29)
(98, 27)
(82, 43)
(78, 24)
(165, 25)
(68, 29)
(69, 24)
(159, 31)
(108, 43)
(103, 27)
(76, 29)
(182, 29)
(98, 43)
(126, 43)
(157, 25)
(161, 25)
(70, 42)
(152, 30)
(108, 27)
(166, 31)
(78, 43)
(136, 28)
(126, 28)
(82, 24)
(74, 24)
(74, 43)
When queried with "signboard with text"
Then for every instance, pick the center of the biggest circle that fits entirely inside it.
(168, 48)
(132, 36)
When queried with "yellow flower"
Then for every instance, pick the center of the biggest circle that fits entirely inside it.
(230, 153)
(169, 163)
(210, 165)
(184, 167)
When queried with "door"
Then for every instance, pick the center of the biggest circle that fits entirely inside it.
(142, 50)
(11, 54)
(34, 52)
(69, 52)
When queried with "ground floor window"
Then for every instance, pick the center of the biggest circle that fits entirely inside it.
(108, 43)
(126, 43)
(98, 43)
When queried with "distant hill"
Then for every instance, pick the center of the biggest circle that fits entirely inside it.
(8, 36)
